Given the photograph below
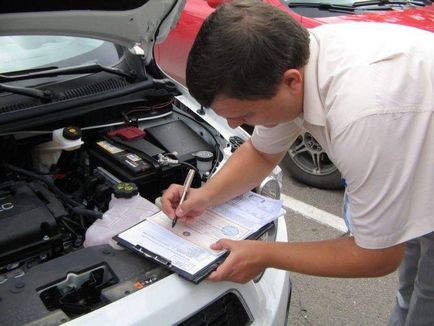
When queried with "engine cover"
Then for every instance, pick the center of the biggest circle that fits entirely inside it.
(28, 213)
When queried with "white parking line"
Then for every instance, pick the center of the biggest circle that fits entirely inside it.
(314, 213)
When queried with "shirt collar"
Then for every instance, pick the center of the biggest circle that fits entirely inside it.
(313, 109)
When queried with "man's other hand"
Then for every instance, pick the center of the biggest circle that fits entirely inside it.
(243, 263)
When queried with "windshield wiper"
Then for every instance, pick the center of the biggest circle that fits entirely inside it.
(321, 6)
(369, 4)
(76, 70)
(390, 2)
(32, 92)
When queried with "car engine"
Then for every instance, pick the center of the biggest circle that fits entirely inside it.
(55, 182)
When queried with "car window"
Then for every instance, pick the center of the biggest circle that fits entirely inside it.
(23, 52)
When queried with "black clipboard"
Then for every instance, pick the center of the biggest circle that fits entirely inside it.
(198, 276)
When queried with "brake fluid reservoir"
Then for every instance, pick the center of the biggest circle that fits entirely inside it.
(126, 208)
(204, 161)
(47, 154)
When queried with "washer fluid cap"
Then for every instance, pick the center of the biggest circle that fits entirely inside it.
(125, 190)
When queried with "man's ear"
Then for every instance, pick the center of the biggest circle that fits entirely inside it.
(293, 79)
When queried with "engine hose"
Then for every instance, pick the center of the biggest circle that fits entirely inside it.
(49, 183)
(86, 212)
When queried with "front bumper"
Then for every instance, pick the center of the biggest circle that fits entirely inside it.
(174, 300)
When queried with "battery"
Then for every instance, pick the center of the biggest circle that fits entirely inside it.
(131, 155)
(133, 166)
(124, 164)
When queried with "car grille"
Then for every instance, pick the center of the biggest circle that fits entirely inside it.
(16, 107)
(95, 88)
(227, 310)
(86, 90)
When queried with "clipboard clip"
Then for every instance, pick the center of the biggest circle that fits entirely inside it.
(153, 256)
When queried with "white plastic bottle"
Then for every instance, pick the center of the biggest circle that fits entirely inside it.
(47, 154)
(126, 208)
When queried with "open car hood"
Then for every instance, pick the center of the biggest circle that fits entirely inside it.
(122, 22)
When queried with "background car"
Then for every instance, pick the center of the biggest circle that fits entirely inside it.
(307, 162)
(83, 108)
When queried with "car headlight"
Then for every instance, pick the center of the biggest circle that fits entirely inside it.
(269, 236)
(269, 187)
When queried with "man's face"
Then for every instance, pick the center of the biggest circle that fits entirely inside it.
(283, 107)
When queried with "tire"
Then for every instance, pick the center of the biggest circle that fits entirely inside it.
(308, 163)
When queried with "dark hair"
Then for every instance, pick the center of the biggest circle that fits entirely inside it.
(242, 50)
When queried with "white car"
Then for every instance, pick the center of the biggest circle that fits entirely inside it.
(83, 107)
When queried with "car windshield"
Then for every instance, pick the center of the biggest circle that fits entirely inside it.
(24, 52)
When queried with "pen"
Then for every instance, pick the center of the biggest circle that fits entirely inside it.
(187, 184)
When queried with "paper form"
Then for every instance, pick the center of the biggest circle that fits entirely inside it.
(181, 253)
(251, 210)
(187, 247)
(207, 229)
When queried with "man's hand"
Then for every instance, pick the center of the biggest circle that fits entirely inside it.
(194, 205)
(340, 257)
(243, 263)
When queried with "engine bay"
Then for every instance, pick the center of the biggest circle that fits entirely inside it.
(55, 182)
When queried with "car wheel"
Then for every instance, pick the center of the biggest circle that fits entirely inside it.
(309, 164)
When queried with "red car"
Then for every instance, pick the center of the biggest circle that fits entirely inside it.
(307, 162)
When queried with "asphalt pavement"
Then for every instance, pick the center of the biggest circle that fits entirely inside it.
(332, 301)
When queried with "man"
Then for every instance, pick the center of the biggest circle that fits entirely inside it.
(366, 93)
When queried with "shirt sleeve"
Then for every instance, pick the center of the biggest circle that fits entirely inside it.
(276, 139)
(385, 161)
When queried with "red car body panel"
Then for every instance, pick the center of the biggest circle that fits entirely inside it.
(172, 54)
(422, 18)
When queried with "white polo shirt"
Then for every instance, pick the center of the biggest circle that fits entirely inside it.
(369, 101)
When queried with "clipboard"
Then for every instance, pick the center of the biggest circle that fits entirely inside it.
(198, 276)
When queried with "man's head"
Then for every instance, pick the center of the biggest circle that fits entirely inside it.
(243, 51)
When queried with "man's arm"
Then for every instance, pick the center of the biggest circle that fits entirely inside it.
(244, 170)
(332, 258)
